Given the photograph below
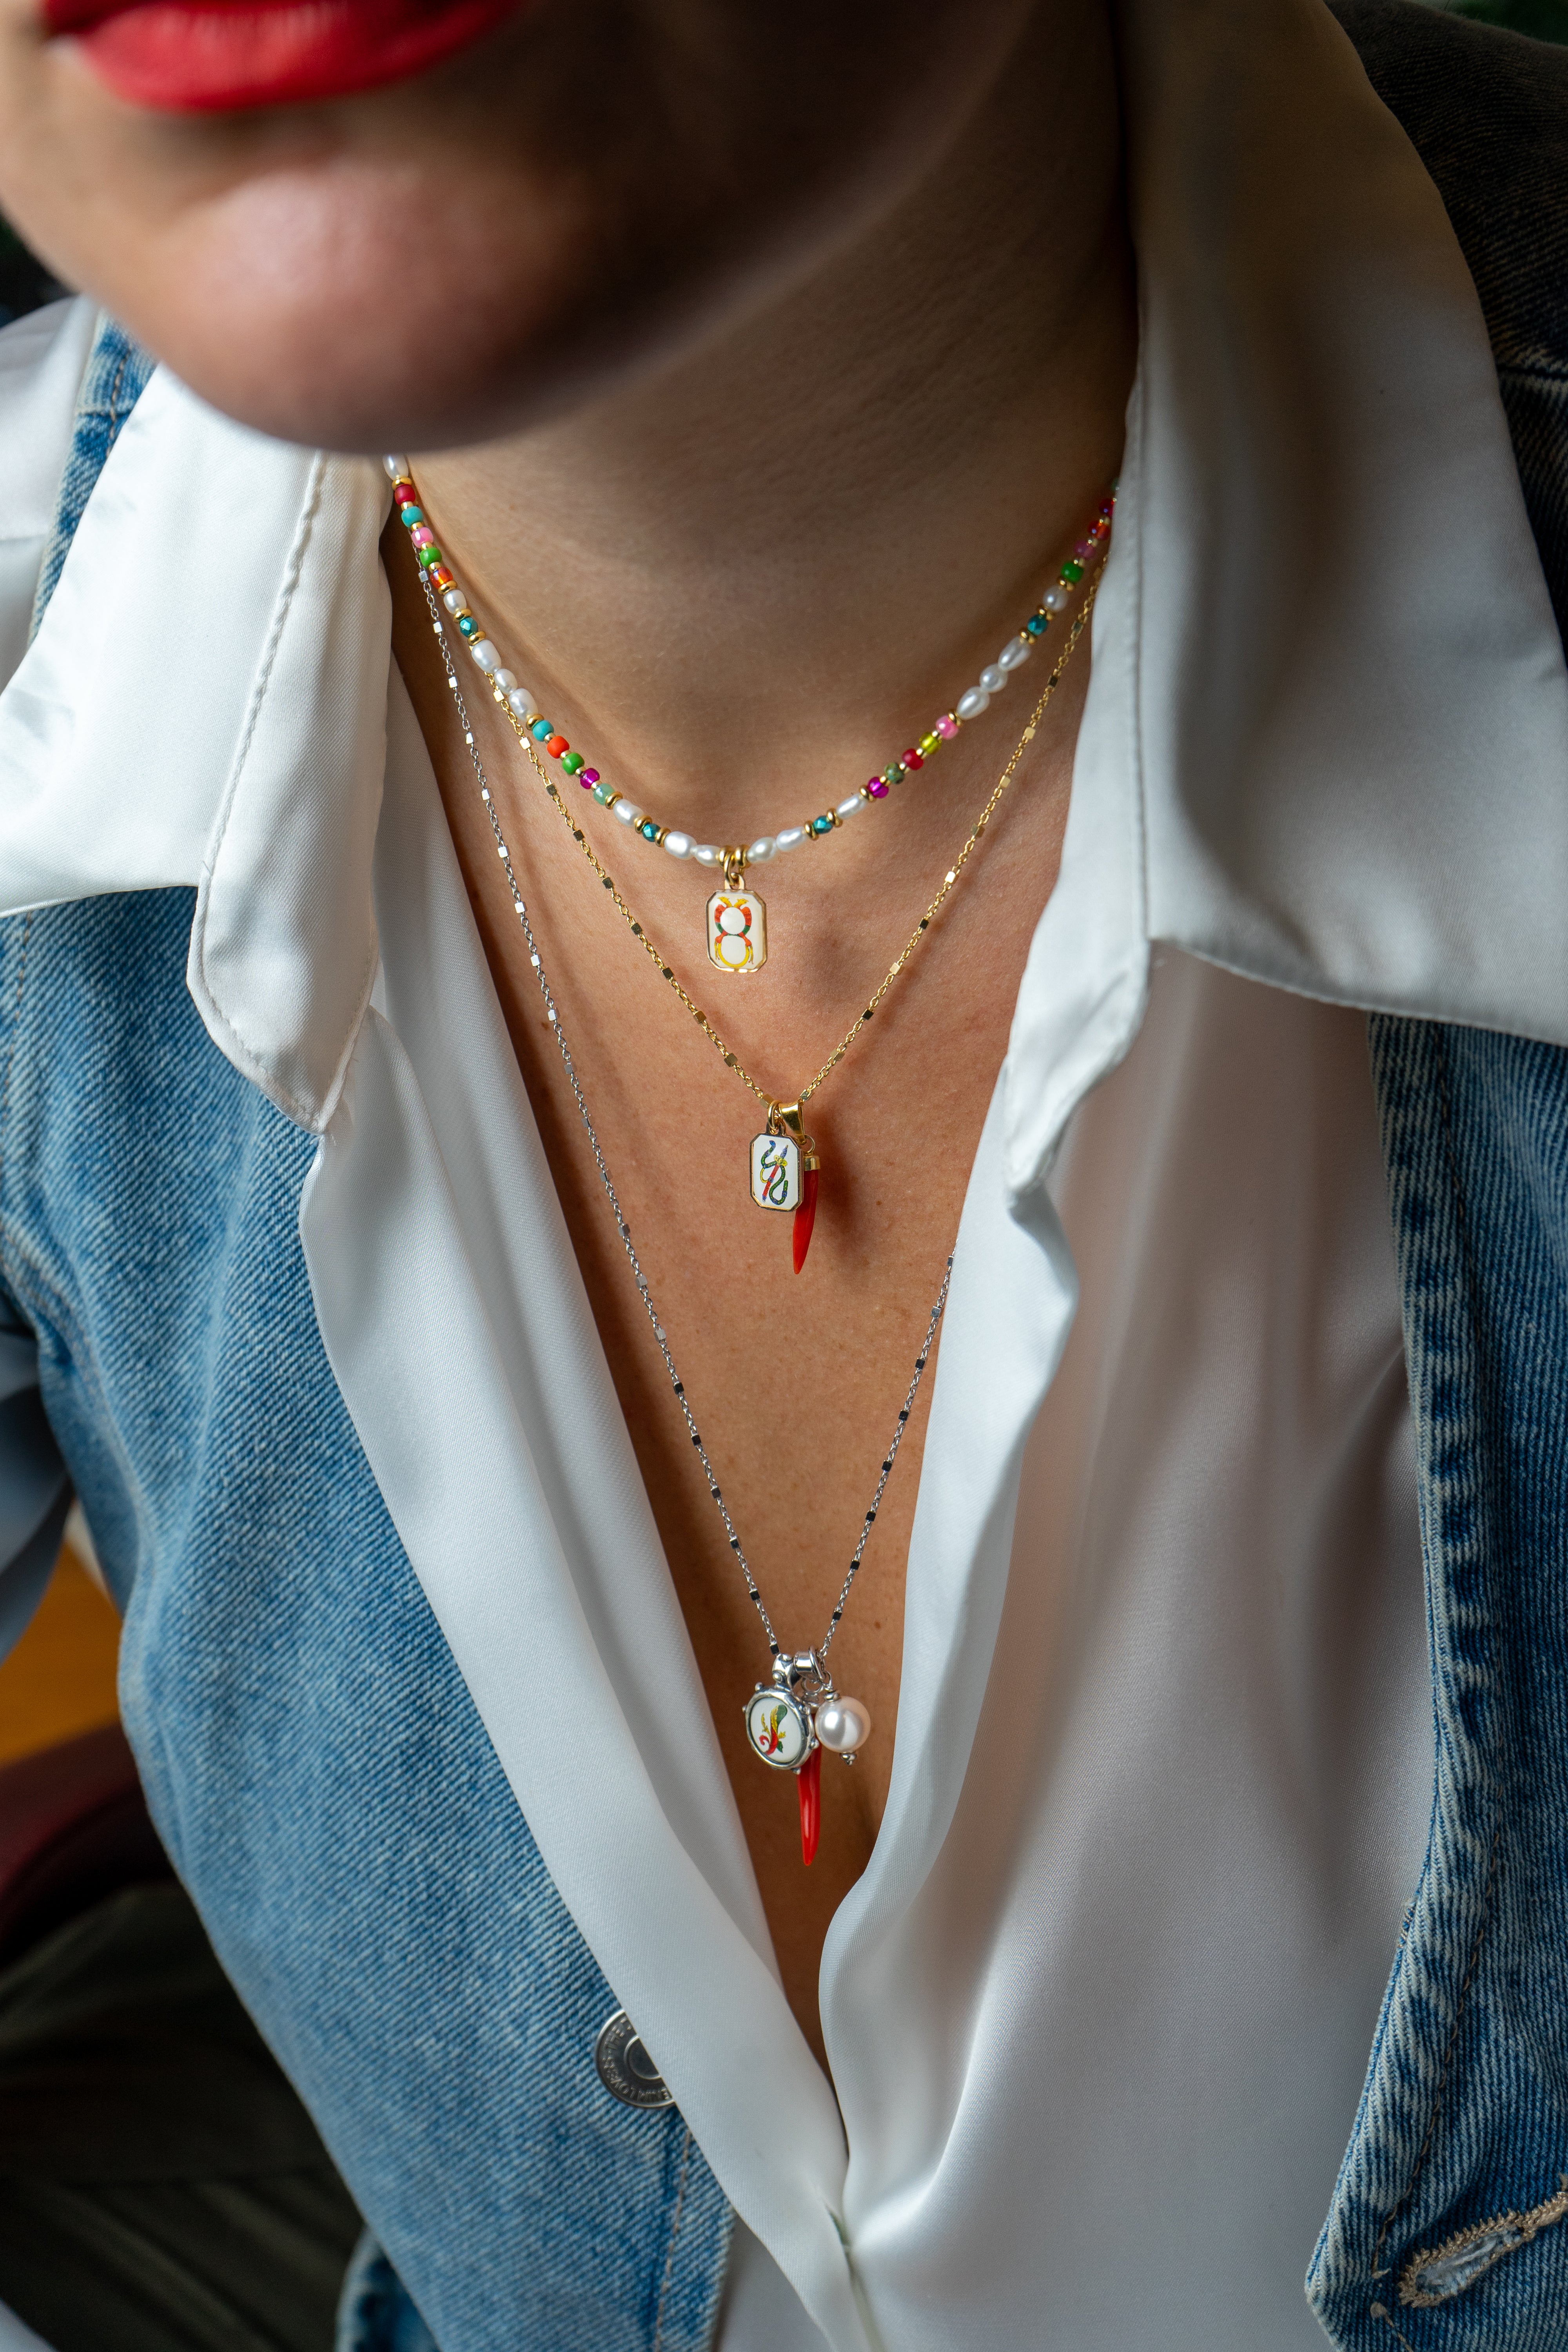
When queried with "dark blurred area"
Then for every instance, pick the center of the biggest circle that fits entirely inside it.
(25, 284)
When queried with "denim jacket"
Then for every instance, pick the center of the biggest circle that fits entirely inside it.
(368, 1881)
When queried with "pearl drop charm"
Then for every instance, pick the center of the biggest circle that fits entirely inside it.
(844, 1724)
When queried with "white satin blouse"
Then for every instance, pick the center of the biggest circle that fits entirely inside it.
(1099, 2010)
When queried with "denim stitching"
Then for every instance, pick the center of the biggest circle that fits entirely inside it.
(15, 1016)
(1447, 2065)
(1381, 2311)
(1462, 1219)
(674, 2234)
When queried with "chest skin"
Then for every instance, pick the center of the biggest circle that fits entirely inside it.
(795, 1382)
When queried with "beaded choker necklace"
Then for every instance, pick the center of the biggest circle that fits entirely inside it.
(793, 1716)
(736, 922)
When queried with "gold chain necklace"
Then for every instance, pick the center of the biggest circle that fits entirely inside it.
(783, 1161)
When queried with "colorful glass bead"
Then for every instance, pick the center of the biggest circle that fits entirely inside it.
(556, 745)
(440, 577)
(650, 828)
(426, 556)
(467, 625)
(877, 788)
(910, 760)
(403, 494)
(821, 824)
(588, 779)
(947, 727)
(1038, 623)
(1071, 574)
(412, 517)
(541, 731)
(572, 762)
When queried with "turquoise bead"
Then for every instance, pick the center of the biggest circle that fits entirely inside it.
(541, 731)
(821, 824)
(468, 625)
(603, 793)
(649, 829)
(411, 516)
(1038, 623)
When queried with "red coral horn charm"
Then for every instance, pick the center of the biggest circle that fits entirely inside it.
(809, 1781)
(806, 1215)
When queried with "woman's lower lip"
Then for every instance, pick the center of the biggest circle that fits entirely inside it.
(189, 57)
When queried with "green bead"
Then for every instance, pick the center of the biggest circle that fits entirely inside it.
(428, 556)
(928, 743)
(572, 762)
(603, 793)
(1071, 574)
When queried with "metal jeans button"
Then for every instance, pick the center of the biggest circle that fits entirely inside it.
(626, 2070)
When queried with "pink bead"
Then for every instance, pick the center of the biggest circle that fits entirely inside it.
(588, 779)
(1085, 547)
(422, 535)
(878, 789)
(947, 727)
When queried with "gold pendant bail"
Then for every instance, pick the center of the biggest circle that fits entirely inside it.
(734, 867)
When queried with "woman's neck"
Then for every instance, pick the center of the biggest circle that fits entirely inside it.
(789, 549)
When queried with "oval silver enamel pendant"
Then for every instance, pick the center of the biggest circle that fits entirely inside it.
(778, 1727)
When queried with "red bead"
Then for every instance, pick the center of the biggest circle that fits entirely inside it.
(912, 760)
(439, 577)
(804, 1216)
(406, 494)
(556, 745)
(809, 1781)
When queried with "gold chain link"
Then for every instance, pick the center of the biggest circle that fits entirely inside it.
(732, 1060)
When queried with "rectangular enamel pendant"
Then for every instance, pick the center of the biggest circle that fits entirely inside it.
(737, 930)
(775, 1171)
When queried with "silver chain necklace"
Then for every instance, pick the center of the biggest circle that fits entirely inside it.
(791, 1719)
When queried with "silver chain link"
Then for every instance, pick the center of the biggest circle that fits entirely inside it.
(677, 1383)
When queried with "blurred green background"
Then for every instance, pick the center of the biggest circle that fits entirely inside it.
(24, 283)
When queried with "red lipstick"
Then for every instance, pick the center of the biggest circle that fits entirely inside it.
(210, 55)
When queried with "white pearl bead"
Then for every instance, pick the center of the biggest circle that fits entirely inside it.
(993, 677)
(970, 704)
(455, 600)
(486, 655)
(761, 850)
(678, 845)
(396, 468)
(521, 701)
(851, 807)
(505, 681)
(844, 1724)
(1056, 600)
(627, 811)
(706, 853)
(1015, 653)
(790, 838)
